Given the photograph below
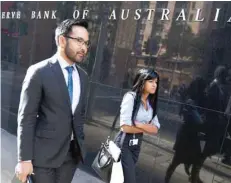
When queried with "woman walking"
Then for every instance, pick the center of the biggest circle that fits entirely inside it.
(138, 116)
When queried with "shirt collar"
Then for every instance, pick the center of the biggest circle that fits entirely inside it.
(63, 63)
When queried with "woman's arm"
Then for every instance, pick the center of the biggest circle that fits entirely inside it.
(131, 129)
(126, 118)
(148, 128)
(151, 128)
(126, 123)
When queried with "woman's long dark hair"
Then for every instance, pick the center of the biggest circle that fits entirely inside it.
(138, 85)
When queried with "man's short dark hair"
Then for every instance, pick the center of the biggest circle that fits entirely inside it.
(65, 27)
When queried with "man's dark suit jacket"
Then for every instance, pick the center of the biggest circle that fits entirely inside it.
(45, 117)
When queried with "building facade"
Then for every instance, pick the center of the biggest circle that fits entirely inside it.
(179, 51)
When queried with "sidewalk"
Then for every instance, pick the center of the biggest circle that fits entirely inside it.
(8, 162)
(149, 156)
(213, 170)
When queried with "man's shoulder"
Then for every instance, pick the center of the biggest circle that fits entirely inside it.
(41, 64)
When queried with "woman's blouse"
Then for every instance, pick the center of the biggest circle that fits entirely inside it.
(143, 115)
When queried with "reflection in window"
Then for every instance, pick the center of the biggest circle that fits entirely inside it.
(157, 33)
(191, 17)
(193, 5)
(181, 4)
(146, 5)
(223, 16)
(162, 4)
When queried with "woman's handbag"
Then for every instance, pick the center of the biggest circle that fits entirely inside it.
(103, 162)
(108, 154)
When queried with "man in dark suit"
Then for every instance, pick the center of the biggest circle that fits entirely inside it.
(51, 110)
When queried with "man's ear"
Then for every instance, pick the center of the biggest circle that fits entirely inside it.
(62, 41)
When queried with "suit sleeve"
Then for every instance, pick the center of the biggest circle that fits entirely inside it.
(83, 109)
(80, 124)
(27, 113)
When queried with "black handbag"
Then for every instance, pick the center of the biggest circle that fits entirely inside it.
(103, 161)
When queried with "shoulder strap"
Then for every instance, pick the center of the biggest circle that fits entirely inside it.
(114, 122)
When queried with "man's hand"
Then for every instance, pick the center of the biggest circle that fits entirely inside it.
(23, 169)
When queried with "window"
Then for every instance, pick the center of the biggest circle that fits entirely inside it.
(181, 4)
(143, 21)
(193, 5)
(146, 5)
(191, 17)
(157, 33)
(162, 4)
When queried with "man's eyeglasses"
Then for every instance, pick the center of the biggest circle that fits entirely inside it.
(80, 41)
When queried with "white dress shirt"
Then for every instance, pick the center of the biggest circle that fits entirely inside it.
(76, 81)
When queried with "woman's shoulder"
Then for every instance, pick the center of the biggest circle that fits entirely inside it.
(131, 93)
(129, 96)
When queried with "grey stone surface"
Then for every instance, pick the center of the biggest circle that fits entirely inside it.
(8, 162)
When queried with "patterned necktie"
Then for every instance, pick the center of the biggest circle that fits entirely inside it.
(70, 82)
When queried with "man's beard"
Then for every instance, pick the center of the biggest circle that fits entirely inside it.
(72, 55)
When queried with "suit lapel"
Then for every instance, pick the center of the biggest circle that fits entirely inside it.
(55, 66)
(81, 81)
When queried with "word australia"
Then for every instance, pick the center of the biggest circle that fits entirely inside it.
(181, 16)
